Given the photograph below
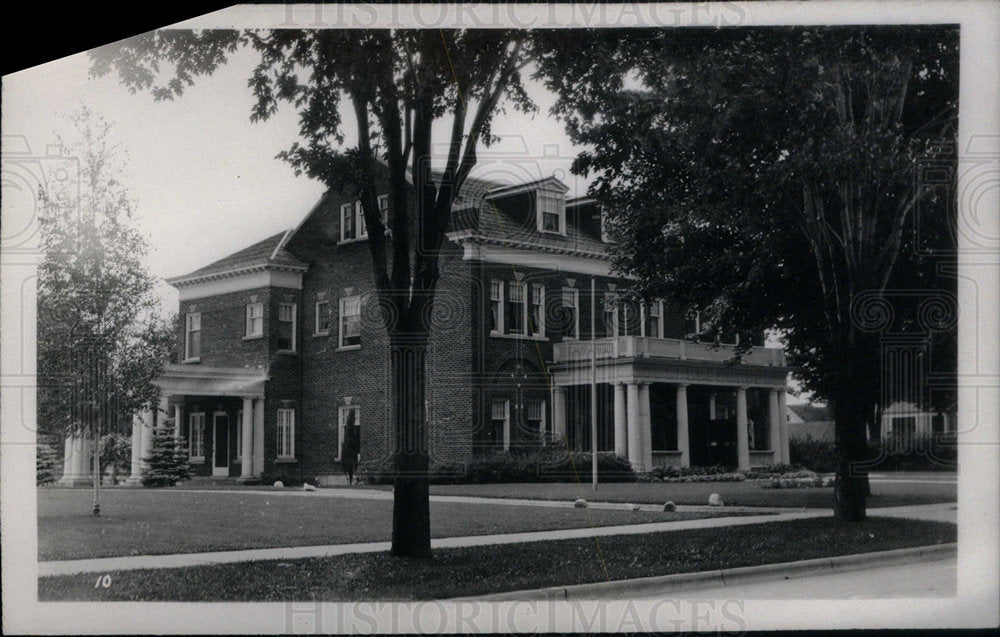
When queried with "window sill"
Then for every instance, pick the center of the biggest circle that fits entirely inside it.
(255, 337)
(348, 348)
(285, 460)
(348, 241)
(286, 352)
(196, 460)
(555, 232)
(318, 334)
(519, 337)
(187, 361)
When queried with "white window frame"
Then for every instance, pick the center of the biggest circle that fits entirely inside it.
(383, 208)
(250, 332)
(285, 421)
(574, 295)
(542, 425)
(293, 321)
(346, 210)
(342, 424)
(523, 287)
(189, 321)
(196, 442)
(497, 285)
(542, 198)
(613, 298)
(341, 316)
(318, 314)
(656, 311)
(506, 419)
(538, 302)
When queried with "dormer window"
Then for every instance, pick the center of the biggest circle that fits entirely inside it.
(551, 212)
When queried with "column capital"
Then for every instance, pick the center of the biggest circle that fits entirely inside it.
(682, 385)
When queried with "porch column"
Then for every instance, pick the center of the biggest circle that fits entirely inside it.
(682, 425)
(742, 436)
(178, 416)
(258, 436)
(621, 422)
(67, 459)
(711, 406)
(646, 427)
(136, 475)
(146, 435)
(246, 469)
(774, 438)
(786, 457)
(633, 426)
(559, 413)
(74, 470)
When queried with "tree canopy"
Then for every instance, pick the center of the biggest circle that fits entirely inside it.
(770, 178)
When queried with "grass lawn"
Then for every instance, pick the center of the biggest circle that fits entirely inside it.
(747, 493)
(492, 569)
(148, 522)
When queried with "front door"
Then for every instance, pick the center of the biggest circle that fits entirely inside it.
(220, 444)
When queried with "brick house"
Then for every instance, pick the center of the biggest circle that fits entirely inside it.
(283, 340)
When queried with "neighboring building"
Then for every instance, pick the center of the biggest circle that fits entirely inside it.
(905, 422)
(810, 421)
(283, 340)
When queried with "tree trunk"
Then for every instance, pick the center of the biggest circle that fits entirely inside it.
(411, 518)
(850, 488)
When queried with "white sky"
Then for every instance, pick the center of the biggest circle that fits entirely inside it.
(205, 179)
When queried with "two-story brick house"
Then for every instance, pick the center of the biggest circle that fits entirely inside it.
(284, 339)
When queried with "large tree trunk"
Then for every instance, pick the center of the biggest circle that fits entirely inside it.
(411, 518)
(851, 486)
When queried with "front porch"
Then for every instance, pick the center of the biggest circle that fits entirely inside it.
(666, 402)
(218, 411)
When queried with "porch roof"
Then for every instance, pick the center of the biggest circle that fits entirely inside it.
(198, 380)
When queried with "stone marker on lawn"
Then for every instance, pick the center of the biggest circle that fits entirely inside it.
(580, 503)
(715, 500)
(308, 487)
(279, 484)
(669, 506)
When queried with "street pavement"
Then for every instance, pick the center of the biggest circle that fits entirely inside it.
(938, 578)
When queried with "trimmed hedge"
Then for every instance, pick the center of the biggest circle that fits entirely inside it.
(543, 464)
(923, 453)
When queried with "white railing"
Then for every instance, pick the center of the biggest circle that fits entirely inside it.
(647, 347)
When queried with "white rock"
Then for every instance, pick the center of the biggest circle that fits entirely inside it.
(580, 503)
(715, 500)
(669, 506)
(279, 484)
(308, 487)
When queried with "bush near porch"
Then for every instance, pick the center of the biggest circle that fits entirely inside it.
(923, 453)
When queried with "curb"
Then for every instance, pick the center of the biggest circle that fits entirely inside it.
(727, 577)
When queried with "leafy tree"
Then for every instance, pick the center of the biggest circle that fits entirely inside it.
(101, 340)
(396, 84)
(46, 459)
(769, 178)
(167, 463)
(116, 453)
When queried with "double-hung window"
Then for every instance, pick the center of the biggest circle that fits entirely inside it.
(610, 314)
(350, 321)
(534, 416)
(500, 423)
(383, 208)
(322, 318)
(286, 327)
(255, 320)
(571, 313)
(286, 433)
(192, 337)
(551, 213)
(538, 309)
(517, 308)
(496, 307)
(654, 319)
(348, 222)
(196, 436)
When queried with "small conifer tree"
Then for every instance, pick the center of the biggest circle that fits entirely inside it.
(167, 463)
(46, 459)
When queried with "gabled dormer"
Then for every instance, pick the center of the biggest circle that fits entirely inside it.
(545, 201)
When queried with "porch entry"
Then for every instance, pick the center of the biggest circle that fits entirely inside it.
(220, 444)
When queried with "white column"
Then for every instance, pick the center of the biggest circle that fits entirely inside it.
(136, 475)
(786, 458)
(742, 436)
(246, 469)
(74, 469)
(258, 437)
(646, 428)
(621, 422)
(559, 413)
(67, 459)
(711, 406)
(634, 427)
(147, 436)
(683, 444)
(178, 416)
(774, 438)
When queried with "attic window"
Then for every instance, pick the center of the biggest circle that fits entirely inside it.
(551, 212)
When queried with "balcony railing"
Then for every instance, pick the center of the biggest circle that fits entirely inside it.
(647, 347)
